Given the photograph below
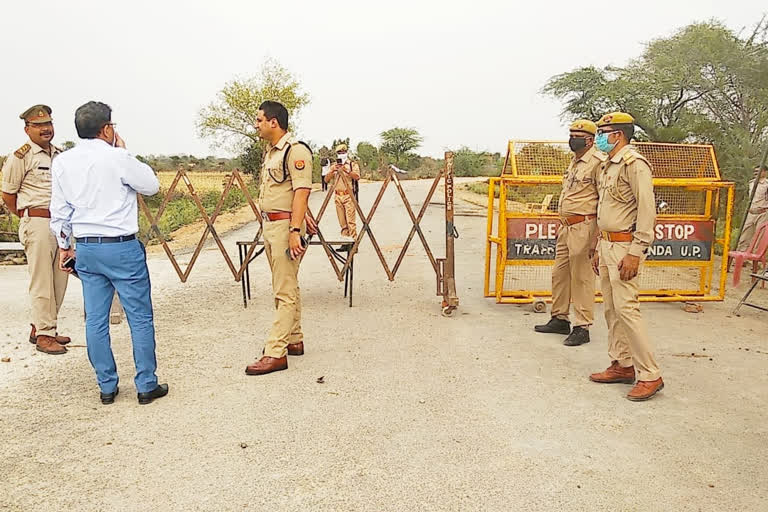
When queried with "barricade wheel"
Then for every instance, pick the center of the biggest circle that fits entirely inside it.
(539, 306)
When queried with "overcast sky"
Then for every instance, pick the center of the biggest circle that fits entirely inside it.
(462, 73)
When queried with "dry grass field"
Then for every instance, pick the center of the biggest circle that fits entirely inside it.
(202, 181)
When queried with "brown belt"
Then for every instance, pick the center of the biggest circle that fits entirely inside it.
(273, 216)
(342, 192)
(36, 212)
(575, 219)
(621, 236)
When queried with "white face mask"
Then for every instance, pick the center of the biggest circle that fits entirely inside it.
(343, 157)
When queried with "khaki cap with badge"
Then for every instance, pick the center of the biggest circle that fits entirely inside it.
(341, 147)
(615, 118)
(583, 125)
(39, 114)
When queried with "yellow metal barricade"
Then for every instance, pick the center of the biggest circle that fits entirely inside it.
(693, 223)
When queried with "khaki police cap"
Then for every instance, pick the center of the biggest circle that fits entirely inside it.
(341, 147)
(615, 118)
(37, 115)
(583, 125)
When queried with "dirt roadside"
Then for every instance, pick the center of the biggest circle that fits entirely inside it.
(416, 412)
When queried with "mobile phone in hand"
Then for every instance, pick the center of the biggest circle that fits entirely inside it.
(69, 263)
(302, 241)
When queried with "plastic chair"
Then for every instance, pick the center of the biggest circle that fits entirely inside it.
(540, 207)
(755, 253)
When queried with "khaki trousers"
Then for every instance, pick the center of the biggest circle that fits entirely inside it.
(286, 326)
(572, 276)
(628, 337)
(750, 226)
(345, 210)
(47, 283)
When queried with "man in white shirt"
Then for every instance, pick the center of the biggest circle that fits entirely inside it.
(94, 201)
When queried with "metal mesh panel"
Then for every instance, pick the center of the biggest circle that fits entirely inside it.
(680, 160)
(671, 278)
(533, 158)
(533, 198)
(538, 158)
(680, 201)
(524, 279)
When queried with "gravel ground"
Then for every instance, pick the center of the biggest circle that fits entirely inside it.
(416, 412)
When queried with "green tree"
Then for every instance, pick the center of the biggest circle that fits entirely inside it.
(368, 155)
(68, 144)
(231, 118)
(398, 142)
(475, 163)
(252, 157)
(704, 83)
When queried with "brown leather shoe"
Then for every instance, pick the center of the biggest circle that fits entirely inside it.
(49, 345)
(615, 374)
(267, 365)
(296, 349)
(645, 389)
(61, 340)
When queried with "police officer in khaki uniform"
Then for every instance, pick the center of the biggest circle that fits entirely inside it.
(626, 214)
(286, 181)
(758, 209)
(26, 192)
(572, 276)
(345, 208)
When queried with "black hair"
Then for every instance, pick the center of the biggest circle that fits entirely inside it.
(762, 167)
(91, 118)
(627, 129)
(324, 162)
(275, 110)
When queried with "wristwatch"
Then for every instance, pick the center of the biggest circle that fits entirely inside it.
(292, 229)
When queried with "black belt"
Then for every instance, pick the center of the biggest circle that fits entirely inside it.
(104, 239)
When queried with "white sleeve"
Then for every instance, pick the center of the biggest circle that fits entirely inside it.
(138, 175)
(61, 210)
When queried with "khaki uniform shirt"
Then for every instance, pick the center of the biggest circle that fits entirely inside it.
(276, 191)
(760, 200)
(627, 202)
(579, 195)
(352, 169)
(27, 173)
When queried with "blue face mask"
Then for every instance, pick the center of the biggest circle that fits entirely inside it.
(601, 141)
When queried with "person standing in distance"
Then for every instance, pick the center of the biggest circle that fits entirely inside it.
(94, 200)
(758, 210)
(345, 207)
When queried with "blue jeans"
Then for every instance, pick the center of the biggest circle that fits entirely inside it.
(121, 266)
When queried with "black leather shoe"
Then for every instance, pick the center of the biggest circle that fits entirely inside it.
(556, 326)
(109, 398)
(579, 336)
(160, 391)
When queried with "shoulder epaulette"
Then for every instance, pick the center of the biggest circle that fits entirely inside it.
(632, 155)
(600, 156)
(23, 150)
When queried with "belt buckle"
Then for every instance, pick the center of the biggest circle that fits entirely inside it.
(605, 236)
(265, 216)
(564, 221)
